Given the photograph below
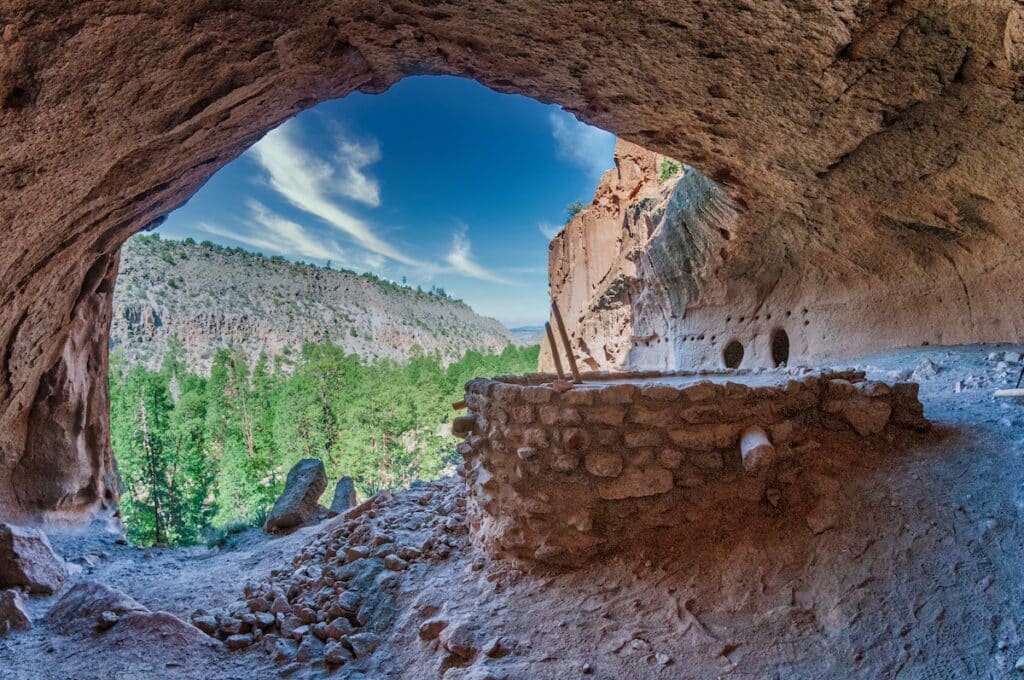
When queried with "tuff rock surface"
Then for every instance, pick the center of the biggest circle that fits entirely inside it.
(868, 148)
(13, 615)
(27, 560)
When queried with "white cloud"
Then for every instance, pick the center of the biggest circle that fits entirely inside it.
(588, 147)
(274, 234)
(460, 260)
(309, 183)
(351, 158)
(548, 230)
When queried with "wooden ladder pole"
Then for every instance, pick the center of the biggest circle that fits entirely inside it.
(554, 351)
(565, 341)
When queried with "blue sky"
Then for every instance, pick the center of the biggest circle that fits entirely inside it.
(438, 180)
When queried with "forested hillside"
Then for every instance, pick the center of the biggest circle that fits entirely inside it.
(208, 296)
(195, 451)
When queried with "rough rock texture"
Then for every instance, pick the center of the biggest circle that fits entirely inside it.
(13, 615)
(211, 297)
(299, 503)
(872, 146)
(641, 277)
(111, 619)
(28, 561)
(559, 477)
(344, 496)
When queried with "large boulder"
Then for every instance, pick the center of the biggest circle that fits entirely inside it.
(28, 561)
(299, 503)
(13, 615)
(87, 602)
(344, 496)
(92, 608)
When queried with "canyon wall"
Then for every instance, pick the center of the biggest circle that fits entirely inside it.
(208, 297)
(649, 276)
(845, 136)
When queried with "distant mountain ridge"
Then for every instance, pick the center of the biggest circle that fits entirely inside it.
(209, 296)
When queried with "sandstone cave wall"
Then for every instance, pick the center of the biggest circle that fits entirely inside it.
(834, 129)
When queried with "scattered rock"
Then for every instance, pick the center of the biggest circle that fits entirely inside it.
(13, 615)
(239, 641)
(298, 503)
(461, 640)
(107, 620)
(497, 648)
(395, 563)
(363, 644)
(926, 370)
(429, 630)
(28, 561)
(337, 654)
(344, 496)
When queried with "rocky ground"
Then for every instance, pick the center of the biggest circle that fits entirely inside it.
(895, 558)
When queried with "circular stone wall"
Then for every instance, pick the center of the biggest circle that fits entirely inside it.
(559, 475)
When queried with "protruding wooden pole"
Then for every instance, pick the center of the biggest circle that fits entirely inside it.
(565, 341)
(554, 352)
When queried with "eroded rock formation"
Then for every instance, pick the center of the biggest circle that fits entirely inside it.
(879, 141)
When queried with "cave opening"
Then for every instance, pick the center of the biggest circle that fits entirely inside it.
(780, 347)
(732, 354)
(283, 301)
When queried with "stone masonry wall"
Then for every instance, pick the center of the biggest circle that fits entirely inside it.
(559, 473)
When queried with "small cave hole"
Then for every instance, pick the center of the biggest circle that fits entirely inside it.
(780, 347)
(732, 355)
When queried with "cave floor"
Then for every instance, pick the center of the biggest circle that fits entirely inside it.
(911, 570)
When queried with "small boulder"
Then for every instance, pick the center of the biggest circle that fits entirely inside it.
(344, 496)
(238, 641)
(28, 561)
(299, 503)
(363, 644)
(336, 654)
(13, 615)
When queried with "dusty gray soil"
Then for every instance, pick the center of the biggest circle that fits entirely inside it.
(897, 558)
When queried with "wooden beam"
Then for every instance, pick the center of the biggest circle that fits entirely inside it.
(554, 351)
(565, 341)
(459, 405)
(1009, 393)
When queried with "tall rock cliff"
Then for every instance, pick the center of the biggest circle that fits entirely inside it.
(664, 273)
(210, 297)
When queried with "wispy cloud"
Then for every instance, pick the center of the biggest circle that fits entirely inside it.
(588, 147)
(460, 260)
(311, 185)
(350, 160)
(267, 231)
(548, 230)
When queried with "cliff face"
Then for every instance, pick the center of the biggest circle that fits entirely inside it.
(211, 297)
(860, 143)
(668, 274)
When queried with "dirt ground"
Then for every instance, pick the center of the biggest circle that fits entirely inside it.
(893, 559)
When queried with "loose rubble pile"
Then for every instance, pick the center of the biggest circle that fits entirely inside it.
(334, 604)
(558, 473)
